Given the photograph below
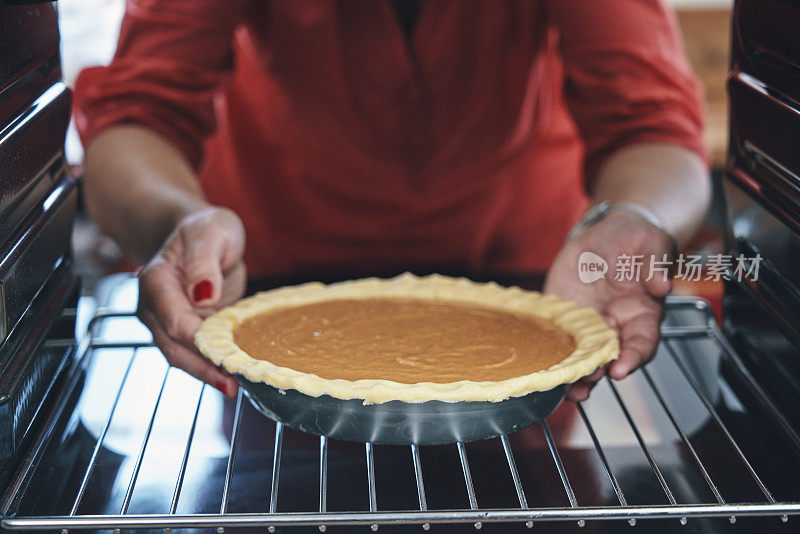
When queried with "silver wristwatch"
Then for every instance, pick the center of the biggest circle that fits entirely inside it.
(596, 213)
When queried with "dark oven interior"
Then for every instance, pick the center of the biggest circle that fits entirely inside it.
(37, 206)
(762, 193)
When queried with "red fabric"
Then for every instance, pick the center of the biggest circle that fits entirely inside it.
(340, 146)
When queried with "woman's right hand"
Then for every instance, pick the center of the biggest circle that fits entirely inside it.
(198, 270)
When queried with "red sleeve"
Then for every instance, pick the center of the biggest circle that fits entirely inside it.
(627, 78)
(171, 57)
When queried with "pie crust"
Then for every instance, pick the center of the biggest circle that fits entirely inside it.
(595, 342)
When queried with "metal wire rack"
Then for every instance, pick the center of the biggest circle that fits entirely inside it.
(372, 516)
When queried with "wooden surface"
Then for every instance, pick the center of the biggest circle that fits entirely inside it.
(706, 34)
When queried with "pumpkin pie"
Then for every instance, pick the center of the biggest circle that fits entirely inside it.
(408, 338)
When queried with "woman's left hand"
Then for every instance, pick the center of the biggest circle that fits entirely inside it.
(633, 305)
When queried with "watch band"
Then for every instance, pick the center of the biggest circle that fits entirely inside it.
(642, 211)
(592, 216)
(598, 211)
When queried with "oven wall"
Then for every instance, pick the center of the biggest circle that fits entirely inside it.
(762, 194)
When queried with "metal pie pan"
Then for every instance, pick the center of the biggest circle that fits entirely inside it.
(398, 422)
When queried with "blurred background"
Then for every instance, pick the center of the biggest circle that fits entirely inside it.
(89, 31)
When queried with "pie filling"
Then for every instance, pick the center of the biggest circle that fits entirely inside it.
(404, 340)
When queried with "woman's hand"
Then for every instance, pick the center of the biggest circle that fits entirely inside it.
(198, 269)
(633, 307)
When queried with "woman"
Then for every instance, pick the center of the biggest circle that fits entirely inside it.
(375, 136)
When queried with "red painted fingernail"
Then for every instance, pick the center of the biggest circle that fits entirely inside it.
(221, 386)
(202, 291)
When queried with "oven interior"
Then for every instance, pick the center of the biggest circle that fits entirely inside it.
(691, 439)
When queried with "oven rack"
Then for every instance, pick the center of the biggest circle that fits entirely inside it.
(372, 516)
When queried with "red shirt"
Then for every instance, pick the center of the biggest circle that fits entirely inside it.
(342, 144)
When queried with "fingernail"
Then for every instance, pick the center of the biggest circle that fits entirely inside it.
(221, 386)
(202, 291)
